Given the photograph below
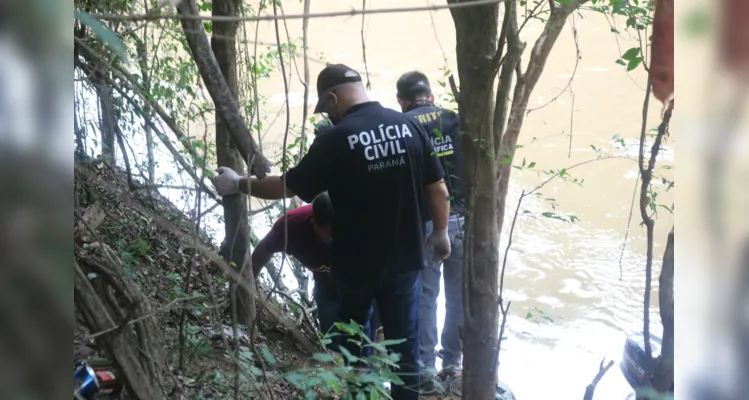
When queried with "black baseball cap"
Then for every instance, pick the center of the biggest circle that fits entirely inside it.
(411, 84)
(333, 75)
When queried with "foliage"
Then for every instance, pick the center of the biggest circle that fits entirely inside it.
(363, 376)
(104, 33)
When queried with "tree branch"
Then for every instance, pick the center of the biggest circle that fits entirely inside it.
(364, 44)
(226, 104)
(350, 13)
(509, 62)
(591, 388)
(646, 172)
(305, 50)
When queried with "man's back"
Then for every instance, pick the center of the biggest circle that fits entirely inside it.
(443, 128)
(374, 164)
(295, 234)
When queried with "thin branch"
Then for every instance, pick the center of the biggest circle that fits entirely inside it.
(284, 160)
(142, 317)
(125, 158)
(572, 122)
(578, 57)
(188, 281)
(612, 25)
(434, 28)
(629, 223)
(288, 297)
(305, 48)
(502, 308)
(364, 44)
(351, 13)
(509, 243)
(556, 175)
(591, 388)
(643, 51)
(505, 311)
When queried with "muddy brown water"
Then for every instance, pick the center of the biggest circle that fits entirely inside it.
(576, 273)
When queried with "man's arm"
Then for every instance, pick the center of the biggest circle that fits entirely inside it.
(260, 258)
(439, 205)
(271, 244)
(270, 188)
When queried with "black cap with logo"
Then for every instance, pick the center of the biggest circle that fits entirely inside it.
(333, 75)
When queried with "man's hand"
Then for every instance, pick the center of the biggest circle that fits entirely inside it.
(438, 244)
(227, 182)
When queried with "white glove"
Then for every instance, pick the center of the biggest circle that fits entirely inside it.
(438, 244)
(227, 182)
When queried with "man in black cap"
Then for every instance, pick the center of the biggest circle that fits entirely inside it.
(443, 127)
(380, 170)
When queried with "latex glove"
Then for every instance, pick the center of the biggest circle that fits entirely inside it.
(226, 182)
(438, 244)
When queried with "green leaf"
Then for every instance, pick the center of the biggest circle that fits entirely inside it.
(323, 357)
(104, 33)
(269, 358)
(350, 357)
(392, 342)
(631, 54)
(392, 377)
(296, 379)
(256, 371)
(532, 164)
(528, 316)
(350, 328)
(634, 64)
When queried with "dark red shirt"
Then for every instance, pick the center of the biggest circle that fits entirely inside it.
(302, 242)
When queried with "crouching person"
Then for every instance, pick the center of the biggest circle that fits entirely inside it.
(308, 240)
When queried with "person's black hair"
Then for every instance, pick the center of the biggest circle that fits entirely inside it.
(322, 209)
(413, 85)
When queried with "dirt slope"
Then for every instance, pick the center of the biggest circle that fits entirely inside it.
(151, 247)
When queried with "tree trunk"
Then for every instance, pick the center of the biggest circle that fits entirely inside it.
(237, 229)
(476, 45)
(110, 305)
(107, 120)
(663, 375)
(140, 47)
(223, 97)
(489, 147)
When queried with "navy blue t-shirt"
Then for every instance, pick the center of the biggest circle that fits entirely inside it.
(374, 164)
(443, 128)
